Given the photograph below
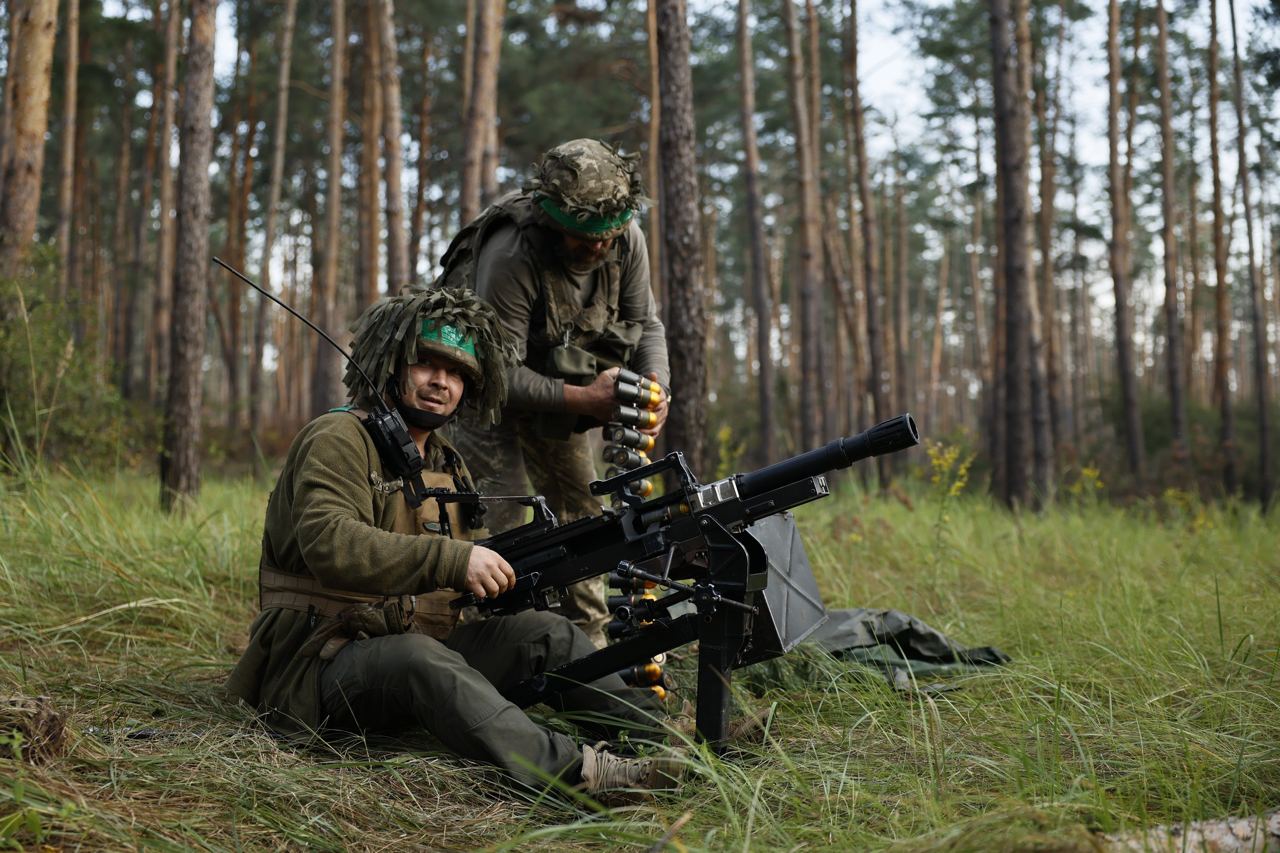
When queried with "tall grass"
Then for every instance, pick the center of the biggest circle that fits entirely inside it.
(1145, 689)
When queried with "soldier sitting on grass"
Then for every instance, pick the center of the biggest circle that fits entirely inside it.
(355, 632)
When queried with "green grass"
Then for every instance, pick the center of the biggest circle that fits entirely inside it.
(1145, 689)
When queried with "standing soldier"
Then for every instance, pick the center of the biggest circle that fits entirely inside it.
(356, 632)
(565, 266)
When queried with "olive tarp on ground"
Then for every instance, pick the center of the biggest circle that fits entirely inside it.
(899, 645)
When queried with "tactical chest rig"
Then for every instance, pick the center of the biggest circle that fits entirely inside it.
(431, 505)
(565, 341)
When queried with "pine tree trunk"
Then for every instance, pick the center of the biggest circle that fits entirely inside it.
(369, 254)
(179, 456)
(120, 327)
(418, 221)
(1192, 371)
(1049, 348)
(489, 165)
(1261, 374)
(325, 367)
(158, 362)
(755, 237)
(1009, 85)
(66, 173)
(136, 352)
(482, 106)
(1222, 295)
(1173, 321)
(30, 69)
(809, 327)
(855, 299)
(398, 270)
(935, 359)
(981, 345)
(653, 177)
(1119, 250)
(870, 245)
(902, 293)
(10, 79)
(1081, 366)
(681, 252)
(280, 132)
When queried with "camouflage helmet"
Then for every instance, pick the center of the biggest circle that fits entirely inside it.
(392, 333)
(587, 189)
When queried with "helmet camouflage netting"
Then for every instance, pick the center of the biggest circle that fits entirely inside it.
(587, 187)
(388, 337)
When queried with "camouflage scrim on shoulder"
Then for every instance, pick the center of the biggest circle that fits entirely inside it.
(387, 338)
(590, 182)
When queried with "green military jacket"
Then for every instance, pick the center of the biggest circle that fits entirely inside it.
(609, 313)
(336, 516)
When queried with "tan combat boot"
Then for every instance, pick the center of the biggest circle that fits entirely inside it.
(618, 781)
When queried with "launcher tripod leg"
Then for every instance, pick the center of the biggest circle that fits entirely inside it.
(718, 645)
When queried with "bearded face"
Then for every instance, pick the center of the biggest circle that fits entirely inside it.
(582, 255)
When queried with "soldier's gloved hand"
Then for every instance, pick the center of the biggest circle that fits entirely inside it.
(664, 408)
(595, 400)
(488, 574)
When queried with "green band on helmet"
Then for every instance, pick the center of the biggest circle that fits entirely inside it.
(589, 225)
(449, 336)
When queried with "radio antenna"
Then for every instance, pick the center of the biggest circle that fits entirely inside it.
(319, 331)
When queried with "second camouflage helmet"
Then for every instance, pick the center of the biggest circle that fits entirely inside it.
(456, 323)
(587, 188)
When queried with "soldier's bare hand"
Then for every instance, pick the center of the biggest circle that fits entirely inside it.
(664, 408)
(596, 400)
(488, 574)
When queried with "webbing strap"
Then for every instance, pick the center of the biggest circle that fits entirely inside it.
(303, 593)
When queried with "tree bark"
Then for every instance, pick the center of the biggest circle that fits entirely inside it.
(1046, 346)
(66, 173)
(120, 324)
(136, 351)
(398, 270)
(1261, 374)
(682, 257)
(1192, 371)
(935, 359)
(325, 382)
(418, 221)
(755, 237)
(158, 363)
(369, 254)
(1222, 295)
(1173, 320)
(179, 456)
(489, 165)
(482, 106)
(1009, 85)
(870, 245)
(902, 291)
(653, 177)
(856, 295)
(810, 325)
(280, 133)
(30, 69)
(468, 69)
(1118, 252)
(10, 79)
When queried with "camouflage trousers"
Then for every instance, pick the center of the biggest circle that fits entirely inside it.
(509, 459)
(456, 690)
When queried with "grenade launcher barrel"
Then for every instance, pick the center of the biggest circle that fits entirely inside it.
(885, 437)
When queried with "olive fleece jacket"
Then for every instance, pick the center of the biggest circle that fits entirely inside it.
(332, 516)
(506, 278)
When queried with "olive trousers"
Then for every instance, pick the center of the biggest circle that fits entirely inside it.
(455, 690)
(500, 458)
